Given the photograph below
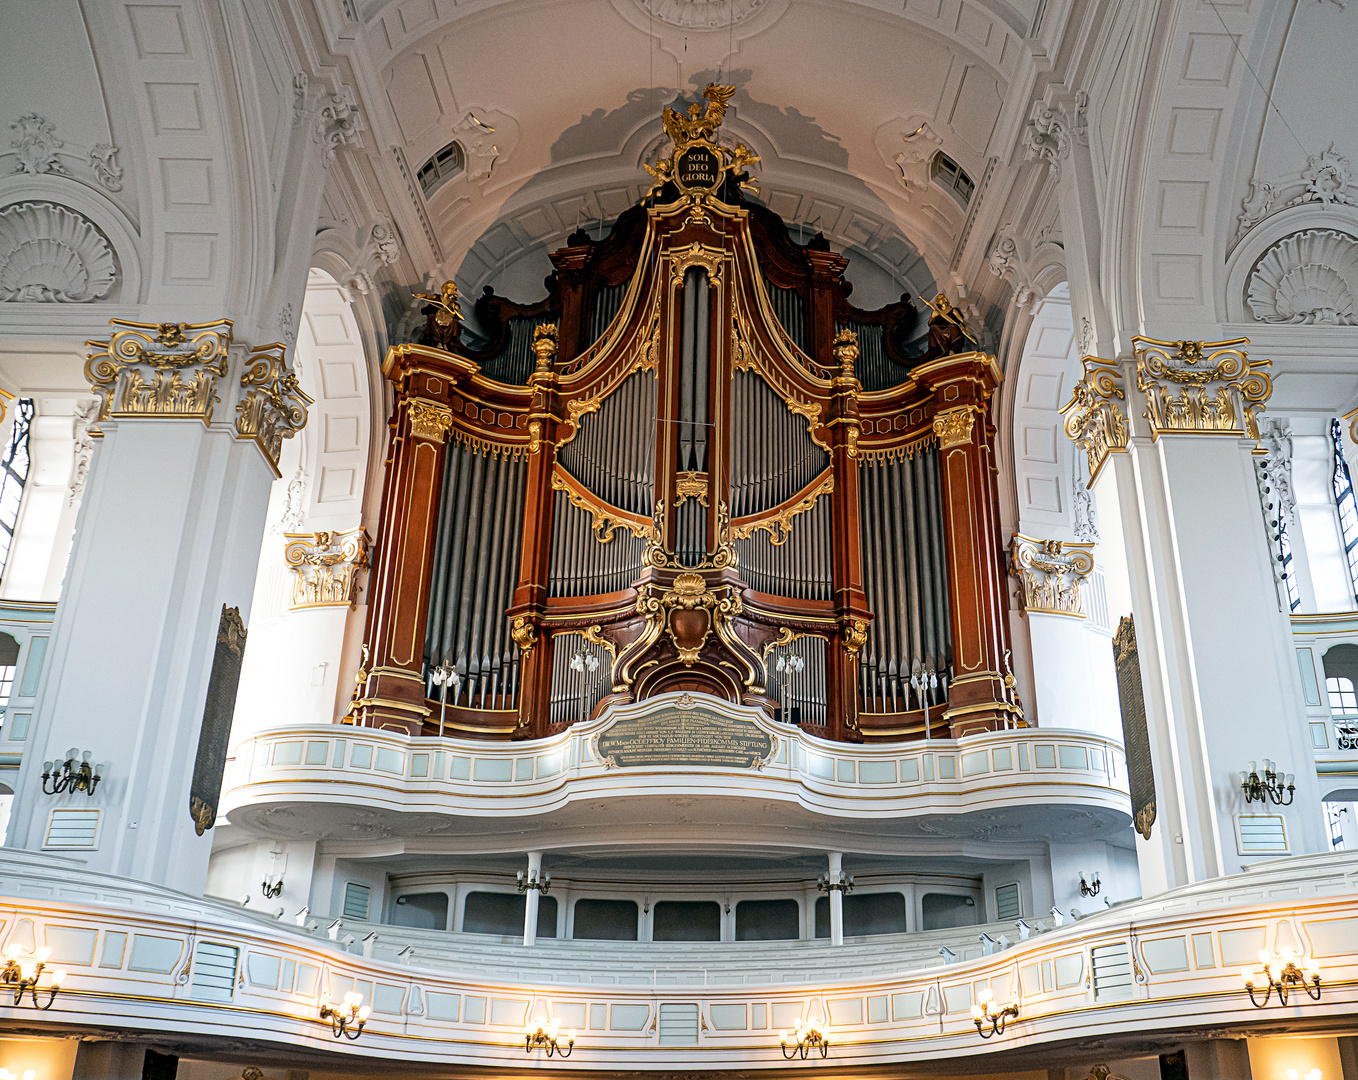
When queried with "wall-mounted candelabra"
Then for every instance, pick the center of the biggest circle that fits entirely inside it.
(23, 973)
(1272, 787)
(989, 1013)
(545, 1034)
(806, 1038)
(837, 881)
(346, 1020)
(1090, 886)
(74, 774)
(271, 887)
(534, 879)
(1281, 975)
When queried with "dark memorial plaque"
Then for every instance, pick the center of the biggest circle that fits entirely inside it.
(685, 736)
(1136, 740)
(210, 765)
(697, 169)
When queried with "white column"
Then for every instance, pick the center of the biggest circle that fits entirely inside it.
(531, 897)
(836, 898)
(168, 535)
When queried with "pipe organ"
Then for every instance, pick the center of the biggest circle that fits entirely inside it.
(695, 466)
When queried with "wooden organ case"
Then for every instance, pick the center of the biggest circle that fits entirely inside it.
(694, 467)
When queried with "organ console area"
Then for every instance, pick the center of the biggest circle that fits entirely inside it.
(695, 466)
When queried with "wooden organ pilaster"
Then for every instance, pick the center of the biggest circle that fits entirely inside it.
(717, 475)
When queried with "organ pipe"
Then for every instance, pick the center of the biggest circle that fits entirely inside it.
(475, 563)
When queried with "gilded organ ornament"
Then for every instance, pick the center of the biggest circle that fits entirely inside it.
(1053, 573)
(697, 164)
(1095, 422)
(1201, 386)
(779, 524)
(164, 370)
(953, 426)
(429, 420)
(325, 567)
(272, 406)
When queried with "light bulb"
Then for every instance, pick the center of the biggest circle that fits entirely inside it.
(976, 1012)
(570, 1038)
(29, 1074)
(1291, 1074)
(1314, 1074)
(1287, 955)
(42, 954)
(983, 996)
(363, 1014)
(1247, 975)
(57, 977)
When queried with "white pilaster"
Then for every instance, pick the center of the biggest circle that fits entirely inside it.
(531, 898)
(836, 898)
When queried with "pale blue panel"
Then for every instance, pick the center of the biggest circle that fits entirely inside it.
(37, 653)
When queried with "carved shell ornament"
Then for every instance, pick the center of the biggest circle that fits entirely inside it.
(1308, 278)
(50, 254)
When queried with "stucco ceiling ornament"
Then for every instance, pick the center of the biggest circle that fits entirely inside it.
(478, 141)
(916, 159)
(1053, 129)
(1327, 179)
(1308, 278)
(338, 123)
(50, 254)
(381, 248)
(37, 145)
(700, 14)
(1327, 176)
(1007, 260)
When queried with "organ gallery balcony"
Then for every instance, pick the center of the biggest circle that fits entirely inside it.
(743, 766)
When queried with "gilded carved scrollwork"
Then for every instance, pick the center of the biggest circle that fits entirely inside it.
(1201, 386)
(1095, 422)
(854, 635)
(163, 370)
(524, 632)
(953, 426)
(690, 485)
(607, 519)
(325, 567)
(1053, 574)
(272, 406)
(725, 556)
(779, 524)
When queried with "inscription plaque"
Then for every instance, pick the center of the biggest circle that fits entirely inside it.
(685, 736)
(698, 169)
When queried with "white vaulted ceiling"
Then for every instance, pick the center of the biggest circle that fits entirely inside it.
(826, 93)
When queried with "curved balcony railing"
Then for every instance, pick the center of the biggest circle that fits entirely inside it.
(140, 959)
(371, 767)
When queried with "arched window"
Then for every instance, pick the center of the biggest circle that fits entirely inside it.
(13, 476)
(1343, 697)
(950, 176)
(441, 168)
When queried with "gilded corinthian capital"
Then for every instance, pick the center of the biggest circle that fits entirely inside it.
(161, 370)
(325, 567)
(272, 406)
(1201, 386)
(1095, 421)
(1053, 574)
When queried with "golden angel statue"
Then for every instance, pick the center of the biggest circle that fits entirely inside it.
(699, 123)
(444, 324)
(948, 329)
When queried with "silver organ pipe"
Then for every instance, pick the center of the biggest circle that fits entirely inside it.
(516, 362)
(905, 577)
(772, 455)
(799, 568)
(613, 456)
(790, 309)
(475, 568)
